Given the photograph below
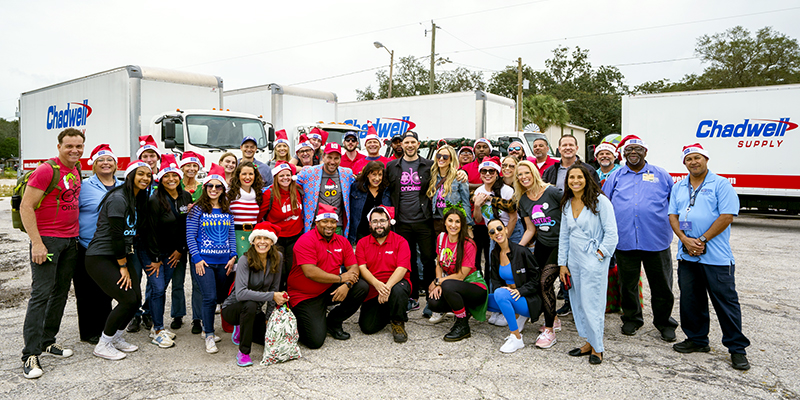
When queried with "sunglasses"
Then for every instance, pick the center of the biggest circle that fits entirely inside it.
(515, 148)
(509, 166)
(350, 139)
(488, 172)
(443, 156)
(493, 231)
(215, 187)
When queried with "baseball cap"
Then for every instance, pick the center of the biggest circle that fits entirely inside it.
(249, 138)
(410, 134)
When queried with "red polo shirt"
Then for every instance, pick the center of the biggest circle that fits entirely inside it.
(473, 175)
(312, 248)
(383, 259)
(359, 165)
(348, 163)
(547, 164)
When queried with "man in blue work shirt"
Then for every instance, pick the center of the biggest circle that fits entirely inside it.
(640, 192)
(701, 209)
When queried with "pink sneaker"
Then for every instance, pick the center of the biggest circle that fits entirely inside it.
(243, 360)
(546, 340)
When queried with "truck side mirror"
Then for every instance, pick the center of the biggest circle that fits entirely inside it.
(168, 131)
(170, 143)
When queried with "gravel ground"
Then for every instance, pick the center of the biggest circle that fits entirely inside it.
(373, 366)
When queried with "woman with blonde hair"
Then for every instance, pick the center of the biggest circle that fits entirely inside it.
(228, 162)
(446, 188)
(509, 171)
(538, 207)
(281, 151)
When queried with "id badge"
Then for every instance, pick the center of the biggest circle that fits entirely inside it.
(686, 225)
(648, 177)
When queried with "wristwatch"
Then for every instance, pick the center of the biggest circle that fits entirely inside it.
(703, 239)
(436, 282)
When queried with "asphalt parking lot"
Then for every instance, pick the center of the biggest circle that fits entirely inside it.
(768, 280)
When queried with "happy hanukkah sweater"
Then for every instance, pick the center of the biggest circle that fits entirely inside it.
(210, 236)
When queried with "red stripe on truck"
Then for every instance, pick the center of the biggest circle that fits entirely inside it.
(30, 165)
(756, 181)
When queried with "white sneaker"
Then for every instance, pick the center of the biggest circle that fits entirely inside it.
(501, 320)
(512, 344)
(218, 309)
(211, 346)
(162, 340)
(217, 339)
(165, 331)
(521, 322)
(108, 351)
(492, 318)
(120, 344)
(436, 318)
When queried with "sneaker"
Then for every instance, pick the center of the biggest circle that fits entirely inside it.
(399, 331)
(512, 344)
(426, 313)
(738, 361)
(31, 368)
(133, 326)
(218, 309)
(162, 340)
(217, 339)
(120, 344)
(556, 326)
(177, 323)
(197, 327)
(668, 334)
(436, 318)
(211, 346)
(147, 321)
(546, 339)
(501, 320)
(413, 305)
(243, 360)
(521, 320)
(629, 328)
(165, 331)
(236, 336)
(108, 351)
(566, 309)
(55, 349)
(492, 318)
(688, 346)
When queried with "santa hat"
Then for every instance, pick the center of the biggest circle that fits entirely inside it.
(629, 140)
(133, 166)
(303, 143)
(281, 137)
(267, 230)
(333, 147)
(218, 173)
(490, 162)
(100, 151)
(466, 148)
(317, 133)
(388, 210)
(147, 143)
(484, 140)
(371, 133)
(189, 157)
(694, 148)
(168, 164)
(325, 212)
(605, 146)
(285, 166)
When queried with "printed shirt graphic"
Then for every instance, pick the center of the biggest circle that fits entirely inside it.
(446, 255)
(410, 186)
(544, 214)
(210, 236)
(330, 193)
(58, 214)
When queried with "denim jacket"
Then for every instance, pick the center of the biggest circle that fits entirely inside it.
(459, 192)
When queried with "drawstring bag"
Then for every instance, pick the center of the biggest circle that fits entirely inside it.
(281, 339)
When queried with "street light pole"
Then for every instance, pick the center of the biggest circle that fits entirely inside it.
(378, 45)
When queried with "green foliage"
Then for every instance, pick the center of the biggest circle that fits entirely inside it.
(544, 110)
(9, 138)
(411, 78)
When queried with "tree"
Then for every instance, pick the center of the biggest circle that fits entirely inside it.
(9, 138)
(411, 78)
(544, 110)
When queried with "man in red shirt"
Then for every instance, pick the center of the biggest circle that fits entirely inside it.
(350, 155)
(384, 261)
(51, 222)
(372, 143)
(397, 147)
(543, 161)
(316, 281)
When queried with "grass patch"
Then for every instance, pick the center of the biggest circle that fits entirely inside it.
(6, 190)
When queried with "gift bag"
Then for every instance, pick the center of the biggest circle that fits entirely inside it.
(281, 339)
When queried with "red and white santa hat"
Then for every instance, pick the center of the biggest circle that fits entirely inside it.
(218, 173)
(303, 144)
(484, 140)
(490, 162)
(134, 165)
(317, 133)
(100, 151)
(389, 211)
(605, 146)
(147, 143)
(629, 140)
(189, 157)
(371, 133)
(281, 137)
(694, 148)
(267, 230)
(285, 166)
(326, 211)
(168, 164)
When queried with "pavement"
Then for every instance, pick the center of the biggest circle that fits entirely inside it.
(373, 366)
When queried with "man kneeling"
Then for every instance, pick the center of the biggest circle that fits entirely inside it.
(384, 261)
(315, 281)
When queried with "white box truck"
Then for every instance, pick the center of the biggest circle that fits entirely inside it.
(451, 115)
(749, 133)
(119, 105)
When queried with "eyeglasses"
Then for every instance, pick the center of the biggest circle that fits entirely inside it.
(515, 148)
(305, 152)
(509, 166)
(350, 139)
(488, 172)
(378, 221)
(493, 231)
(443, 157)
(215, 187)
(631, 149)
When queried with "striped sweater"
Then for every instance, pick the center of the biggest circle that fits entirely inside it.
(245, 208)
(210, 236)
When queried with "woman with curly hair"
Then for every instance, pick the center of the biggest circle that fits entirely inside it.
(245, 195)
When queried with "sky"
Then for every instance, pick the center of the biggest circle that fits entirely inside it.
(328, 45)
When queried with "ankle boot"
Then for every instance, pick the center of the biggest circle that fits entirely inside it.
(459, 331)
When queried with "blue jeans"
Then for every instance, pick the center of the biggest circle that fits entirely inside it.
(158, 296)
(179, 295)
(501, 301)
(148, 289)
(210, 283)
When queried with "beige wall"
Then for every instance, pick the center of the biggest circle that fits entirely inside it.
(553, 133)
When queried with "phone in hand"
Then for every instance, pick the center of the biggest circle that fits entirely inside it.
(567, 282)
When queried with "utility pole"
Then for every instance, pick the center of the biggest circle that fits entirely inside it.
(519, 94)
(433, 57)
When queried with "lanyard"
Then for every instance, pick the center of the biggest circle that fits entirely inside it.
(693, 194)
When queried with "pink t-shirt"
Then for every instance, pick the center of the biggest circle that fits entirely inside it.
(58, 214)
(446, 255)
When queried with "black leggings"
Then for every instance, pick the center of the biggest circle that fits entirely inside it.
(547, 260)
(456, 296)
(105, 271)
(287, 245)
(92, 303)
(251, 320)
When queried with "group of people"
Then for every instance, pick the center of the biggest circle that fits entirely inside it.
(331, 231)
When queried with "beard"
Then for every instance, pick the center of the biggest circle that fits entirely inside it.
(377, 235)
(398, 152)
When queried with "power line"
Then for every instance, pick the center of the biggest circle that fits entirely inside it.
(482, 51)
(656, 62)
(351, 73)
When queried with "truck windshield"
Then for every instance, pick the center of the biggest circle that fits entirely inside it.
(220, 132)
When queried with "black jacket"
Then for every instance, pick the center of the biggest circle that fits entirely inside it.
(166, 231)
(526, 275)
(391, 196)
(550, 175)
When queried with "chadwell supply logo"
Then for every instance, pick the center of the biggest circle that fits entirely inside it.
(765, 133)
(385, 128)
(73, 116)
